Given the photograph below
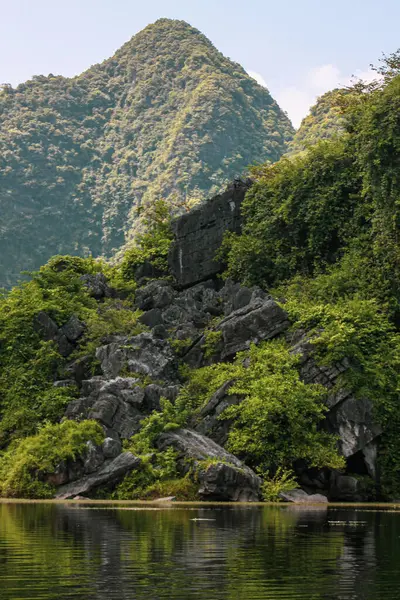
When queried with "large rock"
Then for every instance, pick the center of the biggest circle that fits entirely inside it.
(49, 330)
(118, 404)
(115, 403)
(208, 422)
(97, 286)
(156, 294)
(198, 236)
(260, 320)
(142, 354)
(345, 488)
(351, 419)
(221, 475)
(301, 497)
(111, 472)
(73, 329)
(354, 421)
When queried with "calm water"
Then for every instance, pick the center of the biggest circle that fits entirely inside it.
(59, 552)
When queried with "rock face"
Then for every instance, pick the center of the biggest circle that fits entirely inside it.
(261, 319)
(118, 404)
(178, 320)
(65, 337)
(142, 354)
(222, 476)
(198, 235)
(110, 473)
(350, 418)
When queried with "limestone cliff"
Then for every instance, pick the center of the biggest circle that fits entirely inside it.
(137, 371)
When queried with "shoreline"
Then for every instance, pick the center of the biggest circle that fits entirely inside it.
(200, 504)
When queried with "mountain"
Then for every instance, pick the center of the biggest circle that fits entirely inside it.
(325, 121)
(285, 372)
(167, 116)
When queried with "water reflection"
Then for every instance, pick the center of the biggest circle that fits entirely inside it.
(60, 551)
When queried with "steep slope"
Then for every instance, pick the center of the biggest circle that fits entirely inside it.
(167, 115)
(324, 122)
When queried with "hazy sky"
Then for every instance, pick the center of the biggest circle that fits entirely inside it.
(299, 48)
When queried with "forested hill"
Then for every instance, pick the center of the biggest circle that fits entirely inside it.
(325, 121)
(167, 116)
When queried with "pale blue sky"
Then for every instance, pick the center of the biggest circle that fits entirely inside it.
(299, 48)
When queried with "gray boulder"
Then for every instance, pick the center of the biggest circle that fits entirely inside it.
(49, 330)
(222, 476)
(156, 294)
(97, 286)
(260, 320)
(94, 458)
(110, 473)
(115, 403)
(226, 482)
(153, 393)
(73, 329)
(208, 422)
(353, 420)
(111, 448)
(142, 354)
(45, 326)
(345, 488)
(301, 497)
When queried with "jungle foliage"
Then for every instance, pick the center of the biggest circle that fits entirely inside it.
(322, 231)
(168, 116)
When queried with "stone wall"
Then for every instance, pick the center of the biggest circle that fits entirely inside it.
(198, 235)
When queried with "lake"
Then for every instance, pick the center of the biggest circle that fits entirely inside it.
(60, 551)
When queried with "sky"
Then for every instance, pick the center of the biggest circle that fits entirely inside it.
(299, 49)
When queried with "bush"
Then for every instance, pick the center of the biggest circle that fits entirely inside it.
(155, 469)
(26, 463)
(152, 245)
(283, 481)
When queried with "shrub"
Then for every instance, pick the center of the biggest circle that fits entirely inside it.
(283, 481)
(24, 466)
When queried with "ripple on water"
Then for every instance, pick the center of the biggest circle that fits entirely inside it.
(56, 551)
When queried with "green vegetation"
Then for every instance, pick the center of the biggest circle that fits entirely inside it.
(323, 229)
(325, 121)
(168, 116)
(284, 480)
(277, 422)
(25, 467)
(28, 364)
(152, 245)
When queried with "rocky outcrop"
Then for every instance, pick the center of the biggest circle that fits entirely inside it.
(118, 404)
(261, 319)
(97, 286)
(65, 337)
(208, 422)
(350, 418)
(110, 472)
(198, 235)
(142, 354)
(178, 321)
(221, 475)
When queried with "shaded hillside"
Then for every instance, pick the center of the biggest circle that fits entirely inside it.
(325, 121)
(167, 115)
